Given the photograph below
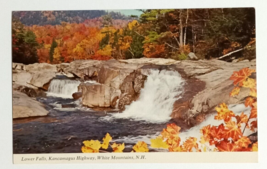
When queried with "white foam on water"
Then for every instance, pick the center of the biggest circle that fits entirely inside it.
(155, 104)
(63, 88)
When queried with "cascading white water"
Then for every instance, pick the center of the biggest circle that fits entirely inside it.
(63, 88)
(156, 99)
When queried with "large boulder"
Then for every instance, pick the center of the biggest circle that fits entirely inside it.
(95, 95)
(117, 81)
(37, 75)
(192, 56)
(215, 74)
(24, 106)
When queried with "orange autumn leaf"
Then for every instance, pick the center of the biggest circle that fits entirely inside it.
(223, 113)
(176, 149)
(249, 101)
(170, 132)
(190, 143)
(240, 76)
(173, 128)
(235, 91)
(233, 130)
(243, 142)
(253, 113)
(255, 147)
(254, 105)
(140, 146)
(173, 140)
(243, 118)
(205, 134)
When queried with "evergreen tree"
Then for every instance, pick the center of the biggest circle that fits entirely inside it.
(51, 53)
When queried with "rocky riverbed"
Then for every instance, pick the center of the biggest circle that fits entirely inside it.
(56, 107)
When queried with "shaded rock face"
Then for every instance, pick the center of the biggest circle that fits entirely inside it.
(24, 106)
(131, 88)
(116, 88)
(31, 92)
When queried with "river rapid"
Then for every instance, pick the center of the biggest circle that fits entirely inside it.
(68, 123)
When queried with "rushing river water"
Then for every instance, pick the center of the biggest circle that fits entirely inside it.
(64, 129)
(68, 124)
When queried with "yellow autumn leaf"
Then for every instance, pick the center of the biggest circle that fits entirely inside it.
(249, 83)
(140, 146)
(92, 144)
(158, 143)
(235, 91)
(106, 141)
(255, 147)
(253, 92)
(223, 113)
(88, 150)
(118, 148)
(205, 149)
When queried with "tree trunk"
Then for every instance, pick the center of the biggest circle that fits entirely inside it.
(187, 15)
(181, 32)
(193, 39)
(228, 54)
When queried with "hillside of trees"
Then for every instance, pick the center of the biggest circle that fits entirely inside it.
(30, 18)
(56, 37)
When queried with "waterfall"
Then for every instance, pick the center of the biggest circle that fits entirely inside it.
(63, 88)
(161, 90)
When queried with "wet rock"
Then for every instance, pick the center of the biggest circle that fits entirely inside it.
(77, 95)
(24, 106)
(68, 106)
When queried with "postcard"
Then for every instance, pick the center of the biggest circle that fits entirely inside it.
(134, 85)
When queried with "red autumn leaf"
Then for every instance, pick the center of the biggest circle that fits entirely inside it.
(239, 76)
(226, 146)
(253, 125)
(216, 134)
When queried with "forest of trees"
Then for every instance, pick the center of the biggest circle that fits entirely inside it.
(56, 36)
